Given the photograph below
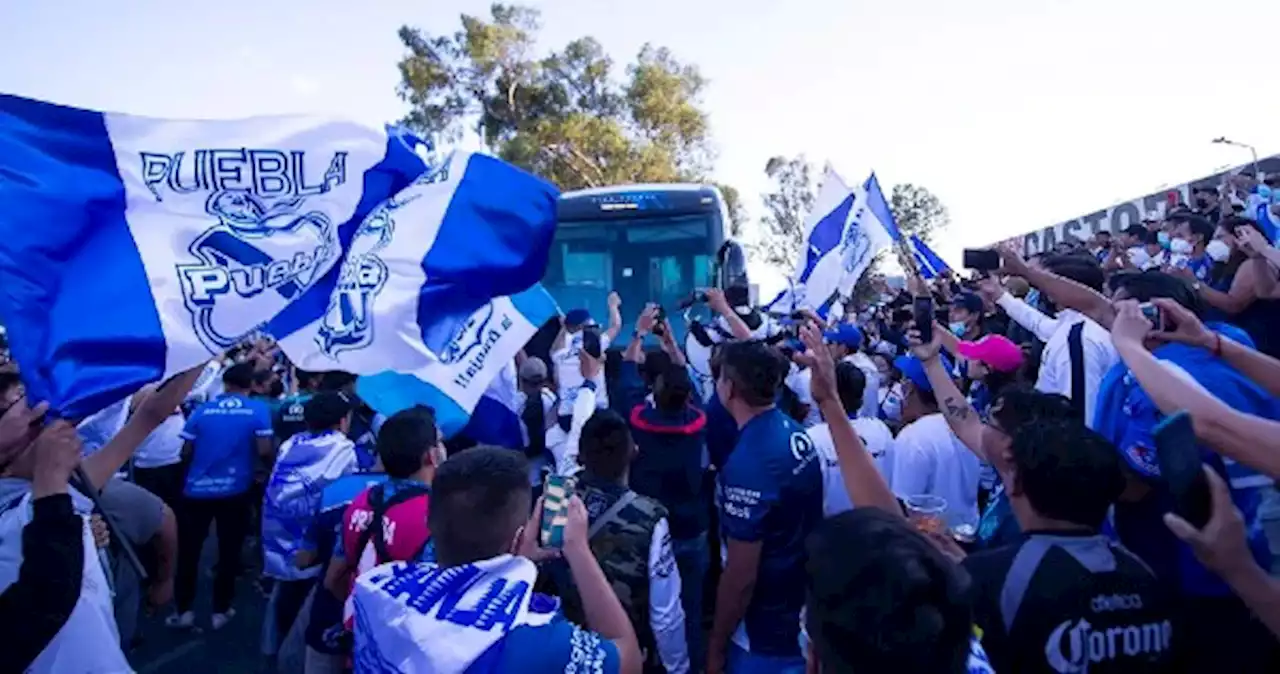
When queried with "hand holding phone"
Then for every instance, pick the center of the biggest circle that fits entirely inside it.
(981, 259)
(922, 309)
(557, 491)
(1182, 470)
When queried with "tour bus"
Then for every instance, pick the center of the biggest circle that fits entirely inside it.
(650, 243)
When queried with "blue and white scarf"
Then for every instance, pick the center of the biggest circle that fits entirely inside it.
(308, 463)
(461, 612)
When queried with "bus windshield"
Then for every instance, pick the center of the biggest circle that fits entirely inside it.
(660, 258)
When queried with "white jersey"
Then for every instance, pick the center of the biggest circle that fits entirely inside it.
(878, 440)
(569, 373)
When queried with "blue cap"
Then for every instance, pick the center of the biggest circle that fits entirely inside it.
(846, 334)
(913, 369)
(577, 317)
(968, 301)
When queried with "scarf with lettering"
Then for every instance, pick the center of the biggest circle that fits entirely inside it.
(417, 617)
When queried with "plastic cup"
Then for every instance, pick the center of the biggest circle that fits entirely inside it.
(926, 512)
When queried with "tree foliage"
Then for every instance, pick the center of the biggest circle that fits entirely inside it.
(915, 209)
(918, 211)
(782, 227)
(564, 116)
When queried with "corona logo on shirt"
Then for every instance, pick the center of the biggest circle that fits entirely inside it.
(1074, 645)
(264, 244)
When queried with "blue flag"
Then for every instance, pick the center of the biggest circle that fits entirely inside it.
(133, 248)
(930, 265)
(846, 229)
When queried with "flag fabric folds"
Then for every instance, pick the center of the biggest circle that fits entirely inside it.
(134, 248)
(482, 346)
(930, 265)
(843, 233)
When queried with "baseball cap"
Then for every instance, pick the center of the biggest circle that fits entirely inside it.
(577, 317)
(995, 351)
(533, 370)
(846, 334)
(968, 301)
(913, 369)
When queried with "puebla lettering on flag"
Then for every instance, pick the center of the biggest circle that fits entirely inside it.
(134, 248)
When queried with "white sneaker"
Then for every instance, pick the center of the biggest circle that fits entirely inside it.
(181, 620)
(220, 620)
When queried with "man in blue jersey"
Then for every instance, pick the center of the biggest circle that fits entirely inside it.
(770, 498)
(221, 440)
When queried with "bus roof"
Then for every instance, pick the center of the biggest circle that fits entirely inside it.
(641, 187)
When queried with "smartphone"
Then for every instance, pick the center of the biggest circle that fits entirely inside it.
(557, 490)
(591, 341)
(923, 311)
(1182, 470)
(1152, 313)
(981, 259)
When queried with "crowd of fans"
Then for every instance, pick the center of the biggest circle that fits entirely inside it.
(963, 476)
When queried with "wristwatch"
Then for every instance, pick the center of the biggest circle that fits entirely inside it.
(1196, 286)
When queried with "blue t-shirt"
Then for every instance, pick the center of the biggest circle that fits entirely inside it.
(559, 646)
(770, 492)
(224, 434)
(1126, 416)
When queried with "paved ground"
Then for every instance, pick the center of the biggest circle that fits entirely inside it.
(232, 650)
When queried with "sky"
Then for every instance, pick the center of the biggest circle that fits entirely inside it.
(1017, 113)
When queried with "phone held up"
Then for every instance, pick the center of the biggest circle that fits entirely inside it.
(591, 340)
(1152, 313)
(557, 490)
(922, 309)
(984, 260)
(1181, 467)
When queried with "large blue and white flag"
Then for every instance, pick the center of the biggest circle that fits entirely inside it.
(843, 233)
(480, 347)
(928, 262)
(134, 248)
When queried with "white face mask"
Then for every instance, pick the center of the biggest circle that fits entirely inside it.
(1218, 250)
(1181, 247)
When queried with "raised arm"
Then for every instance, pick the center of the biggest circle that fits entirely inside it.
(862, 479)
(1064, 292)
(1251, 440)
(100, 466)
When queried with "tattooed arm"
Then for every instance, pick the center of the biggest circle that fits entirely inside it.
(960, 415)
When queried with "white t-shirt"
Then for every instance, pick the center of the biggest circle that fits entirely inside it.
(929, 459)
(569, 373)
(879, 442)
(163, 447)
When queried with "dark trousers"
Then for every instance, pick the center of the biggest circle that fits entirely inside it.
(290, 596)
(163, 481)
(692, 559)
(231, 514)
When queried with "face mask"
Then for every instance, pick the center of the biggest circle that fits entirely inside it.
(892, 405)
(1163, 238)
(1218, 250)
(957, 329)
(1180, 247)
